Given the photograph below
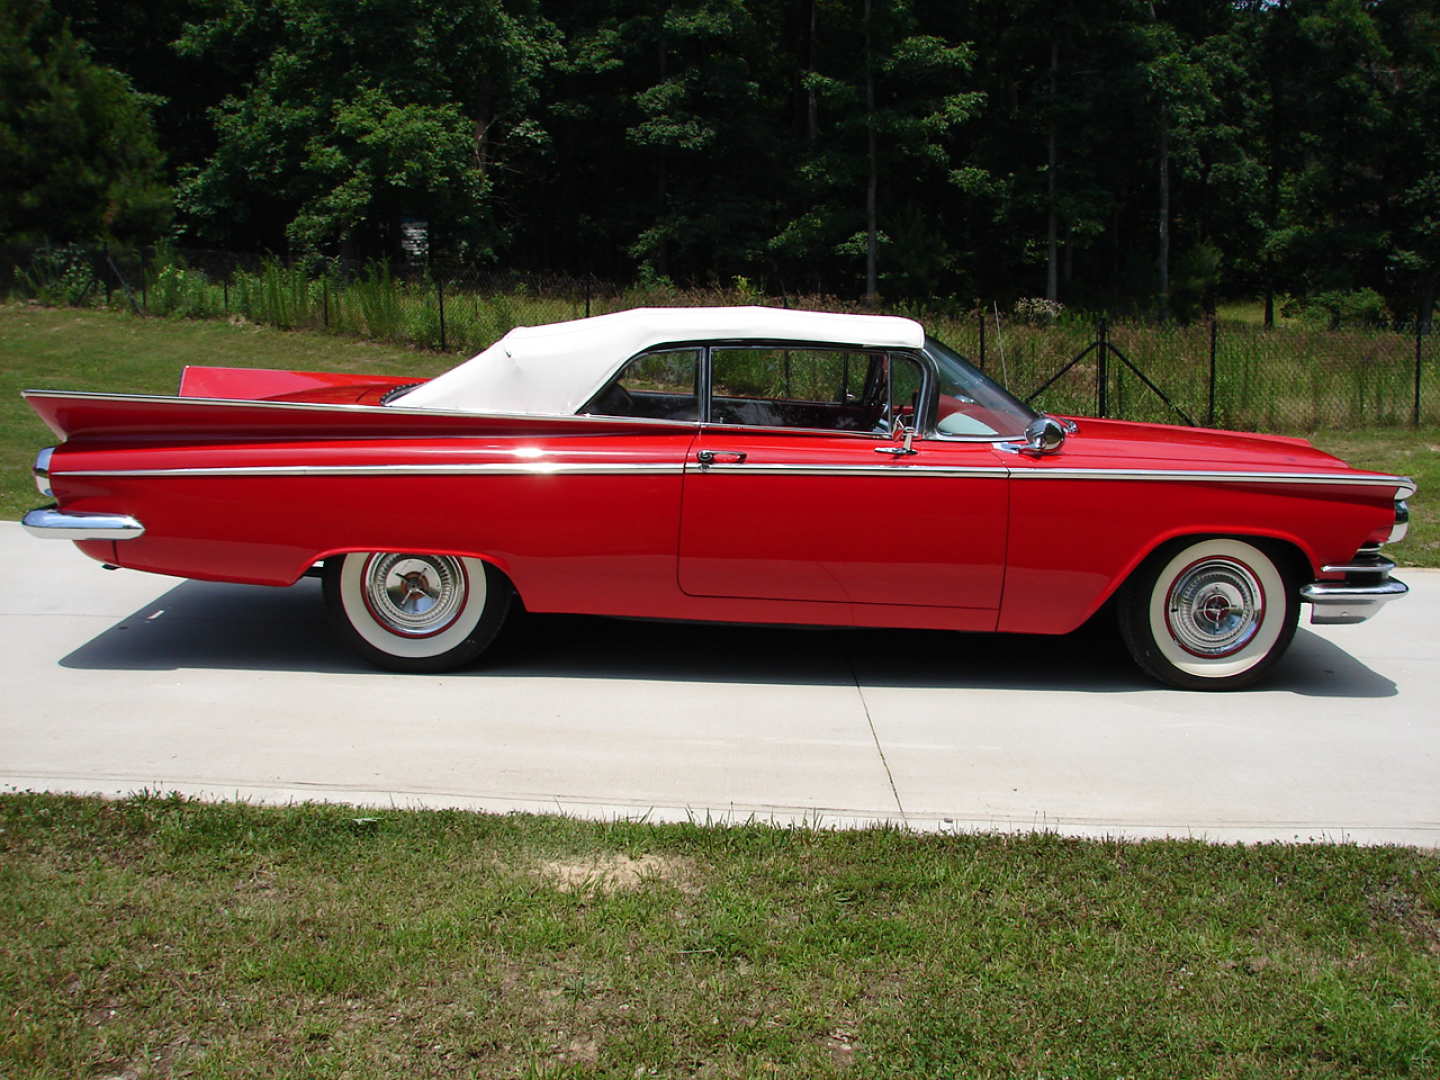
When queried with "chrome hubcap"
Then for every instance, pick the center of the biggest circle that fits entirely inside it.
(1215, 608)
(414, 595)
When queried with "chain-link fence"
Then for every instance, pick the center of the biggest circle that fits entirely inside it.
(1227, 375)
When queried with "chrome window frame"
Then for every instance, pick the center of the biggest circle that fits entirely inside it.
(701, 396)
(940, 436)
(927, 384)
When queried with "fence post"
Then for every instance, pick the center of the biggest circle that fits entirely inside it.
(325, 301)
(980, 318)
(144, 284)
(1210, 398)
(440, 297)
(1101, 374)
(1419, 337)
(587, 296)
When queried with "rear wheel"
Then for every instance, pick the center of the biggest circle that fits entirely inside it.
(1210, 614)
(416, 612)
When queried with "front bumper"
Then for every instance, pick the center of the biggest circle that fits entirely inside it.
(1367, 588)
(49, 523)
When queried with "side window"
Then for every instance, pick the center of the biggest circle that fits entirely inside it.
(658, 385)
(826, 389)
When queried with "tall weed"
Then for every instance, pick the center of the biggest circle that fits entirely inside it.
(60, 277)
(1293, 378)
(377, 295)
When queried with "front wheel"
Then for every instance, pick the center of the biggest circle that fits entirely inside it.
(416, 612)
(1208, 615)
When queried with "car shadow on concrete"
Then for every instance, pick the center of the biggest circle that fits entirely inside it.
(205, 625)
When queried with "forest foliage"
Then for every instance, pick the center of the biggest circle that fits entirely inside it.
(1148, 157)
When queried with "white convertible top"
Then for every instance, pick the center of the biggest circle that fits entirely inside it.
(555, 369)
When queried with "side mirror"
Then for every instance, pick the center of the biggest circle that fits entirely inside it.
(1043, 435)
(904, 434)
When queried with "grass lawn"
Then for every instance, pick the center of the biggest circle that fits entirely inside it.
(79, 349)
(173, 938)
(1413, 452)
(99, 350)
(1252, 312)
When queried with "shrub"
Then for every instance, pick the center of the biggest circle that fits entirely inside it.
(1038, 311)
(60, 277)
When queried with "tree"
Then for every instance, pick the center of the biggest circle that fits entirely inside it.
(78, 159)
(137, 37)
(1410, 214)
(891, 101)
(358, 115)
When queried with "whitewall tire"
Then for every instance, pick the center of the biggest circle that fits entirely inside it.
(1212, 614)
(416, 612)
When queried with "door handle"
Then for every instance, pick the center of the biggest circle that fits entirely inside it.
(710, 457)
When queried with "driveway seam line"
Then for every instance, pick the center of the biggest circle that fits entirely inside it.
(875, 737)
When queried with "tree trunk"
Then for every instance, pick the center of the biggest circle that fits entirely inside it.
(872, 288)
(1162, 259)
(662, 179)
(1052, 262)
(812, 108)
(1272, 193)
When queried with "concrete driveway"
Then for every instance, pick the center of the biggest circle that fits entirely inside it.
(120, 681)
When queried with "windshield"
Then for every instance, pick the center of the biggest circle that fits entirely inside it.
(969, 403)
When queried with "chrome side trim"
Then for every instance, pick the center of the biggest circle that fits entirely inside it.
(374, 410)
(730, 430)
(532, 468)
(41, 469)
(1341, 603)
(1377, 566)
(1403, 484)
(896, 468)
(51, 524)
(540, 468)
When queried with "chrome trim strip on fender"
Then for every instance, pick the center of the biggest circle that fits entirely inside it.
(1403, 484)
(374, 410)
(1378, 566)
(879, 469)
(1340, 603)
(534, 468)
(51, 524)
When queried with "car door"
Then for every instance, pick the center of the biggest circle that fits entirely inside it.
(794, 490)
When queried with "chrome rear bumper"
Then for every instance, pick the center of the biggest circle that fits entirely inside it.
(51, 524)
(1367, 588)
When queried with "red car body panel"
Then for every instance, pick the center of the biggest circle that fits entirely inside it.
(250, 384)
(621, 517)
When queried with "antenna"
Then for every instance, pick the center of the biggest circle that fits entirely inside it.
(1000, 341)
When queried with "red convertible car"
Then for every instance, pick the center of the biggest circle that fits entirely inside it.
(731, 464)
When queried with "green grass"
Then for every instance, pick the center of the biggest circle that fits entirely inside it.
(1414, 453)
(181, 939)
(1252, 312)
(87, 349)
(73, 348)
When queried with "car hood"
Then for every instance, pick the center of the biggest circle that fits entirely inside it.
(1120, 443)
